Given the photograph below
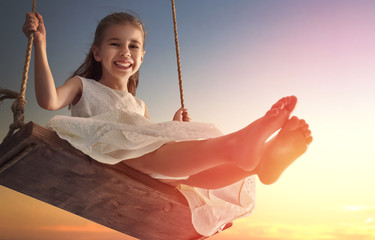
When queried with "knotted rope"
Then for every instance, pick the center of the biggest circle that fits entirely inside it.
(18, 107)
(178, 55)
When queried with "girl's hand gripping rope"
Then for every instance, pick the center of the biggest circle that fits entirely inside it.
(182, 115)
(34, 25)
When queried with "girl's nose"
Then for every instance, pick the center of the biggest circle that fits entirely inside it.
(125, 53)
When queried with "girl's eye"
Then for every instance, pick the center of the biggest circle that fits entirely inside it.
(114, 44)
(134, 46)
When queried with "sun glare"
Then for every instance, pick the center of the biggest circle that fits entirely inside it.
(357, 208)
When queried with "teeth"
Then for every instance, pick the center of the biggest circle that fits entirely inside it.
(127, 64)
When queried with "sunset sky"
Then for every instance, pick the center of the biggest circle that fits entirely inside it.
(238, 58)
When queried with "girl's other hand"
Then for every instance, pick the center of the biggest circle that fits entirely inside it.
(182, 115)
(34, 24)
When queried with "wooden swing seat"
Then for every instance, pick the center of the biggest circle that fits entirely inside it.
(36, 162)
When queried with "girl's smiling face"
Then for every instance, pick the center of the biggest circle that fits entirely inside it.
(121, 51)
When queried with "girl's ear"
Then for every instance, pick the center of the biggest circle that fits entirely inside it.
(144, 52)
(95, 51)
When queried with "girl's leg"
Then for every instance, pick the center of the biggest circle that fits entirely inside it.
(279, 152)
(214, 178)
(242, 148)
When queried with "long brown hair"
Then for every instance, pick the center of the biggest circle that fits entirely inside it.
(92, 69)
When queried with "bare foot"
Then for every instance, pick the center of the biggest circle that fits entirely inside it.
(289, 144)
(253, 137)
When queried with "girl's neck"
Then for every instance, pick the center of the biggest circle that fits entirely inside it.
(117, 84)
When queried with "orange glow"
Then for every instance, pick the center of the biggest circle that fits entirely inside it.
(87, 228)
(250, 229)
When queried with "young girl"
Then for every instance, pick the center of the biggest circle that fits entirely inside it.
(215, 172)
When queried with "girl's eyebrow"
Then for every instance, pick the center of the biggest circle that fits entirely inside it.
(113, 39)
(135, 41)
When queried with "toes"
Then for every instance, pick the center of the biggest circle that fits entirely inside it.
(292, 101)
(289, 103)
(302, 124)
(305, 128)
(278, 105)
(307, 133)
(298, 125)
(309, 140)
(292, 124)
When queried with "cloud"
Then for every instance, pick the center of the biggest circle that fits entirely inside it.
(369, 220)
(357, 207)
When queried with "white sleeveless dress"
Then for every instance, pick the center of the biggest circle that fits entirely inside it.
(109, 126)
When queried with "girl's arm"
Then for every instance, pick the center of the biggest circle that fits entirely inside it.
(47, 95)
(181, 115)
(147, 115)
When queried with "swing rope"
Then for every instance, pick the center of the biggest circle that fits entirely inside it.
(178, 55)
(18, 107)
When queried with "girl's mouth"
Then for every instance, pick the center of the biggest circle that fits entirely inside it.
(122, 64)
